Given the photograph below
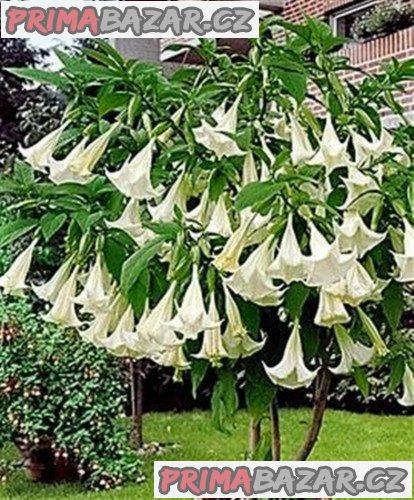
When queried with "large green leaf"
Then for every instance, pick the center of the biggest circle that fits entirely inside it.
(393, 304)
(51, 223)
(397, 373)
(199, 369)
(225, 401)
(255, 192)
(41, 76)
(16, 229)
(133, 267)
(295, 299)
(259, 390)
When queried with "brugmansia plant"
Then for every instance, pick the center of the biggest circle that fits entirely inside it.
(252, 216)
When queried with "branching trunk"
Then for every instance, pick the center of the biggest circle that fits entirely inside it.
(323, 383)
(275, 431)
(137, 403)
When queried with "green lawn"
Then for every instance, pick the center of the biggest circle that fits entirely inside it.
(346, 436)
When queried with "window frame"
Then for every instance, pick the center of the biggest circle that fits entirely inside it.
(338, 15)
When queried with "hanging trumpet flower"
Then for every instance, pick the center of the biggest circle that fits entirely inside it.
(13, 281)
(236, 340)
(408, 382)
(352, 353)
(39, 155)
(292, 372)
(191, 317)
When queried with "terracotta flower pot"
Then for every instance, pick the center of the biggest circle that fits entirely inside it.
(41, 465)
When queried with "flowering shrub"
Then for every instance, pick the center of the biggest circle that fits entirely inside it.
(384, 19)
(193, 208)
(59, 392)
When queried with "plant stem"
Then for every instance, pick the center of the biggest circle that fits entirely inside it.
(275, 430)
(323, 383)
(137, 387)
(255, 434)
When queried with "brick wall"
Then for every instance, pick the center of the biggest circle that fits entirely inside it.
(369, 55)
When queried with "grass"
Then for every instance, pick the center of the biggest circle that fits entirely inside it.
(346, 436)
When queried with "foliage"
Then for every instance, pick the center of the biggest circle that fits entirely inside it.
(26, 112)
(56, 387)
(268, 96)
(383, 19)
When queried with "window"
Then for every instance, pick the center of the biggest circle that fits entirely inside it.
(342, 20)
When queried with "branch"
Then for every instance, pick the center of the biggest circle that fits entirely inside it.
(323, 383)
(275, 430)
(255, 434)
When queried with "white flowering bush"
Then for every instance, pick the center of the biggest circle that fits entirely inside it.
(190, 208)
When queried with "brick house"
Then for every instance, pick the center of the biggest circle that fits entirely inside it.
(341, 14)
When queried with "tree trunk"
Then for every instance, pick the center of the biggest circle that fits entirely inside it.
(323, 383)
(275, 431)
(137, 388)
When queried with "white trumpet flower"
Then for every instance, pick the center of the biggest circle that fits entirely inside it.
(405, 261)
(332, 152)
(215, 138)
(408, 382)
(366, 151)
(249, 173)
(63, 310)
(116, 342)
(96, 294)
(291, 372)
(130, 223)
(356, 287)
(134, 177)
(139, 342)
(280, 126)
(326, 263)
(331, 310)
(302, 150)
(13, 281)
(202, 212)
(252, 280)
(236, 339)
(353, 234)
(84, 164)
(98, 330)
(363, 192)
(173, 357)
(212, 347)
(155, 324)
(220, 222)
(175, 197)
(60, 171)
(50, 290)
(38, 156)
(289, 264)
(228, 258)
(352, 353)
(191, 317)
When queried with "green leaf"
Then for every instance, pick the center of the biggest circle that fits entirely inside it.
(137, 262)
(16, 229)
(23, 174)
(393, 304)
(259, 390)
(51, 223)
(169, 230)
(112, 101)
(115, 255)
(397, 373)
(217, 184)
(199, 369)
(138, 293)
(225, 401)
(41, 76)
(361, 380)
(295, 299)
(255, 192)
(295, 83)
